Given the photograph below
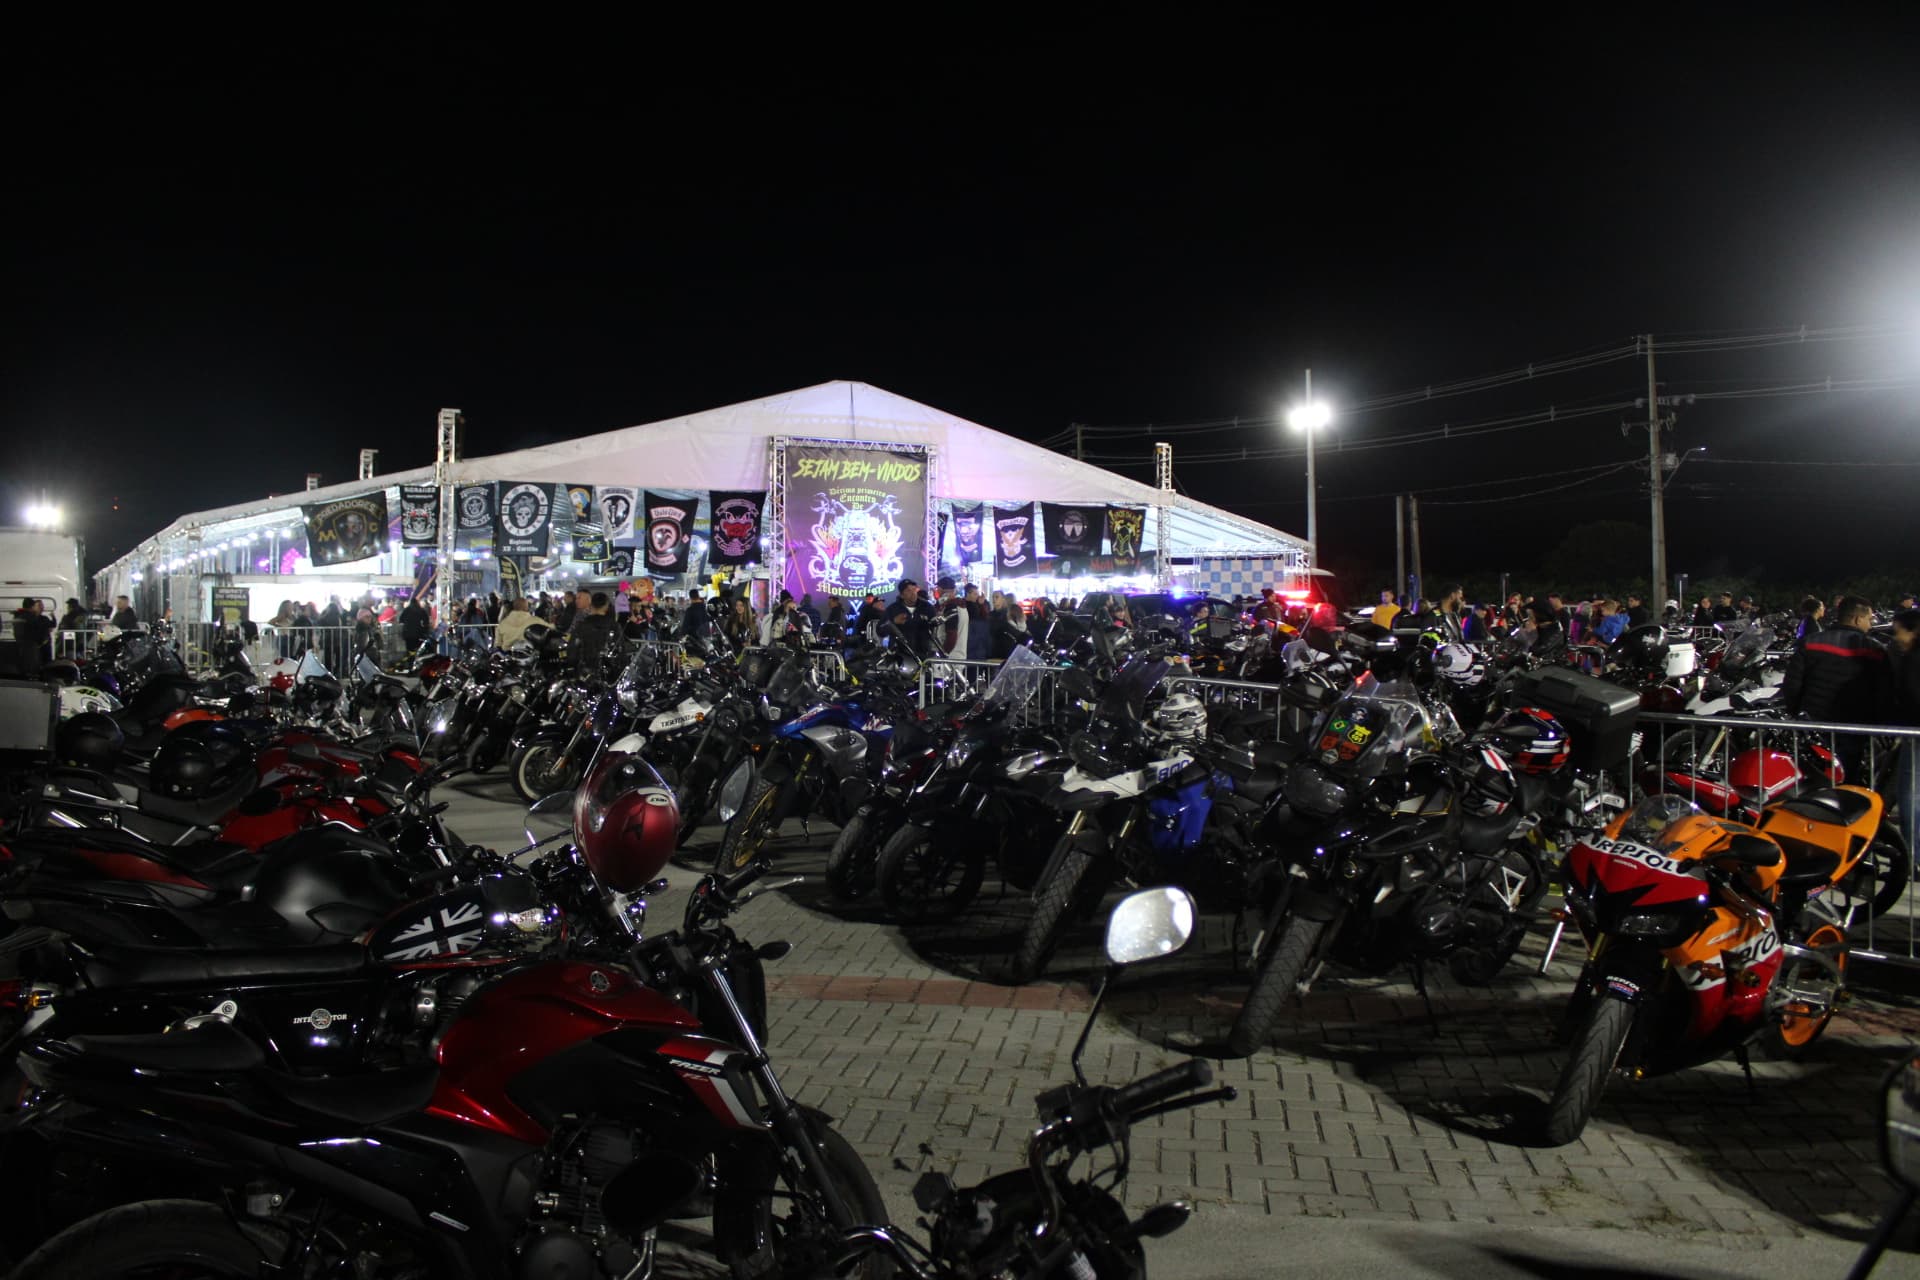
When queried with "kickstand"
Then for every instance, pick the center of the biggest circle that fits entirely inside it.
(1746, 1066)
(1419, 968)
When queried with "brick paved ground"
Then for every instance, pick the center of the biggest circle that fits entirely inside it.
(1364, 1108)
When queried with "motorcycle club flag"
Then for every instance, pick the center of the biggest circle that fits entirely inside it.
(967, 545)
(1073, 534)
(734, 535)
(580, 496)
(347, 528)
(616, 506)
(940, 536)
(1123, 537)
(419, 515)
(620, 565)
(523, 517)
(669, 534)
(473, 507)
(513, 576)
(1013, 541)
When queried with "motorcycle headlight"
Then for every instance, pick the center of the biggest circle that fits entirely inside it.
(957, 753)
(733, 792)
(1652, 924)
(629, 699)
(770, 711)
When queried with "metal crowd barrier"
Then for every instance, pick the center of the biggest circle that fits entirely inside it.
(1232, 695)
(1883, 758)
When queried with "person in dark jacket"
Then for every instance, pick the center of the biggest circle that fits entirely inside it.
(1842, 674)
(914, 616)
(75, 618)
(1724, 611)
(1638, 615)
(696, 625)
(414, 625)
(123, 615)
(1903, 789)
(32, 628)
(593, 634)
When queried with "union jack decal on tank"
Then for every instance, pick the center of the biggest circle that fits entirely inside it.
(452, 929)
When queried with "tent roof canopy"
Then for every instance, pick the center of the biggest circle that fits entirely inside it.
(726, 448)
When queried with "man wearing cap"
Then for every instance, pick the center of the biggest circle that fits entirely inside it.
(952, 623)
(914, 617)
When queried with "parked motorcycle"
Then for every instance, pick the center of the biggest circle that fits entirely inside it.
(1703, 935)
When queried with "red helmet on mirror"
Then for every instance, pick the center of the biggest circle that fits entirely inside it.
(625, 821)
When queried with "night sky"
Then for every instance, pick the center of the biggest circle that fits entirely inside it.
(236, 256)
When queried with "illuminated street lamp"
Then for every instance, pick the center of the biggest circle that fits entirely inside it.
(1312, 417)
(43, 515)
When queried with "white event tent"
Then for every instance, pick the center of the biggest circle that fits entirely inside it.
(727, 448)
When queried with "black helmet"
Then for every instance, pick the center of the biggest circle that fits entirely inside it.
(540, 636)
(1642, 649)
(91, 740)
(196, 760)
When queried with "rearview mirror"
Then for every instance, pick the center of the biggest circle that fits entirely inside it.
(1153, 922)
(548, 816)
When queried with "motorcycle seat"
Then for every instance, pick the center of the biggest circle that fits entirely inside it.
(212, 1046)
(163, 966)
(1830, 805)
(1808, 867)
(204, 812)
(1484, 835)
(369, 1099)
(1261, 783)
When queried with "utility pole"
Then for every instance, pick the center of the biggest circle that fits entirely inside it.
(1419, 579)
(1313, 522)
(1399, 545)
(1656, 481)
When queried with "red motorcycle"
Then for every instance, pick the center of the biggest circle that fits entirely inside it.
(522, 1105)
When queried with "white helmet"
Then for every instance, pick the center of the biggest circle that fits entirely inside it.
(1181, 716)
(1455, 662)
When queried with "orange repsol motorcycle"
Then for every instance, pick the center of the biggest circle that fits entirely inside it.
(1704, 934)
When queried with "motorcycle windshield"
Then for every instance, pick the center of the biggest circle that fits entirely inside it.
(1126, 698)
(1747, 645)
(311, 668)
(1374, 729)
(1017, 680)
(1653, 818)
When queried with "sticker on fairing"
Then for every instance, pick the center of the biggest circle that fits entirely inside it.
(1638, 853)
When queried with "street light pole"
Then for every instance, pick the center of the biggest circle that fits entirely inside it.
(1313, 522)
(1656, 482)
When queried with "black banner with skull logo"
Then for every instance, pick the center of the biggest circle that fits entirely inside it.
(733, 536)
(347, 529)
(420, 515)
(523, 517)
(669, 534)
(1124, 525)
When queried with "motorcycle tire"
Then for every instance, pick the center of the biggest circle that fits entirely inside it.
(1886, 868)
(1052, 906)
(746, 835)
(927, 875)
(1791, 1037)
(1596, 1047)
(532, 768)
(154, 1237)
(851, 863)
(760, 1231)
(1276, 981)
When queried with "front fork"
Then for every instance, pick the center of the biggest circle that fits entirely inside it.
(798, 1151)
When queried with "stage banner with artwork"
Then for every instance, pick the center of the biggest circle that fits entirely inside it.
(1014, 555)
(473, 515)
(420, 515)
(733, 537)
(1124, 525)
(347, 528)
(855, 519)
(1073, 535)
(968, 546)
(669, 534)
(523, 516)
(617, 505)
(230, 605)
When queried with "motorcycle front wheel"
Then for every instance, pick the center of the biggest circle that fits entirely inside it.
(1883, 874)
(1596, 1047)
(929, 874)
(748, 830)
(155, 1237)
(539, 770)
(766, 1228)
(1052, 906)
(1283, 960)
(851, 863)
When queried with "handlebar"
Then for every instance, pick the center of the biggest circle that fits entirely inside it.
(1130, 1099)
